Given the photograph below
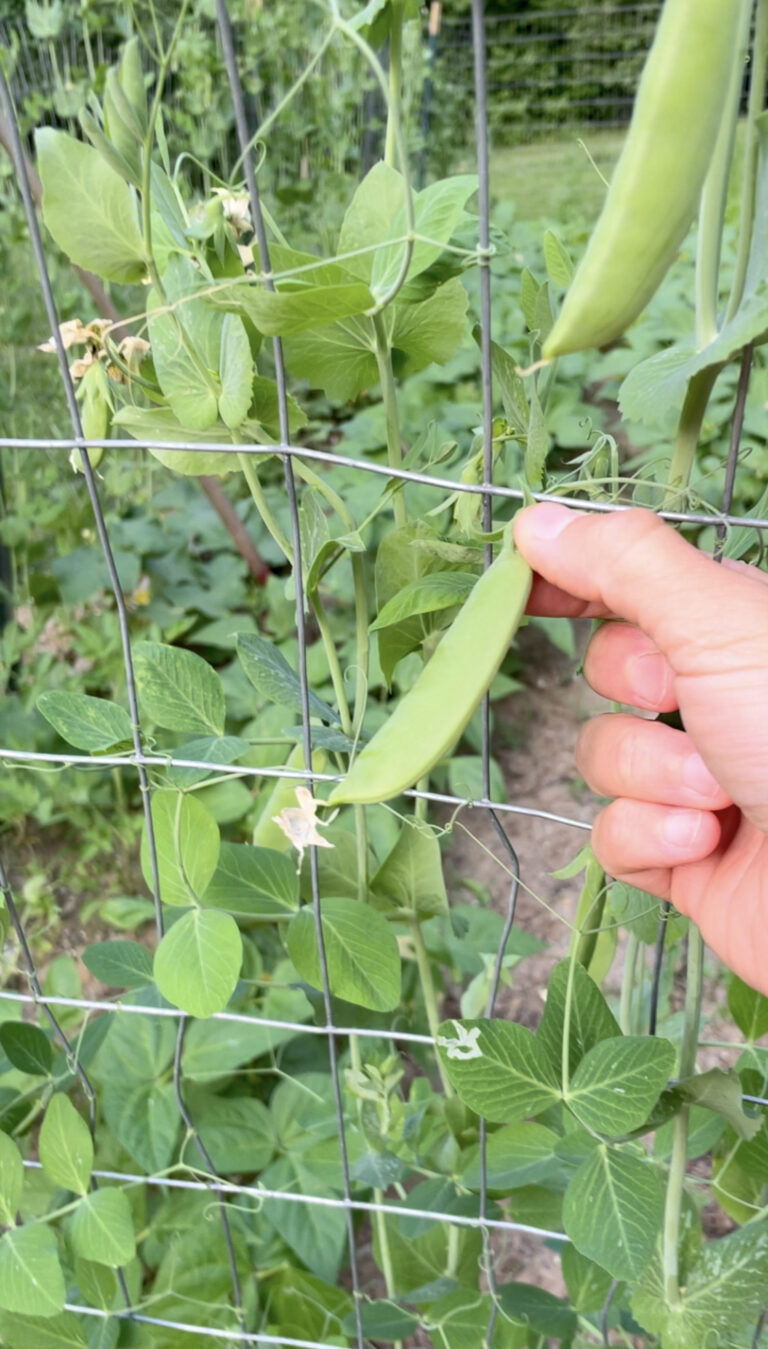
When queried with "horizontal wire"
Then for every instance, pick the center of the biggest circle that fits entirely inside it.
(382, 470)
(237, 1336)
(300, 775)
(327, 1201)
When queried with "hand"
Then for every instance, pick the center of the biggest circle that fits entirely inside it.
(689, 821)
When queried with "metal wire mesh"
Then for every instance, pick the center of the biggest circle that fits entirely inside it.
(140, 762)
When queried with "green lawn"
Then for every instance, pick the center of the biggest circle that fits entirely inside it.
(550, 179)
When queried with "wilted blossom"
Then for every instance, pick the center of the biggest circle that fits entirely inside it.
(300, 825)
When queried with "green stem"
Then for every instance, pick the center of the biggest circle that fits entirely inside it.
(628, 983)
(688, 433)
(428, 993)
(676, 1180)
(749, 180)
(389, 395)
(566, 1045)
(394, 110)
(714, 197)
(260, 502)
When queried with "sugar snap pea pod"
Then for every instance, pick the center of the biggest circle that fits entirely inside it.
(435, 711)
(657, 182)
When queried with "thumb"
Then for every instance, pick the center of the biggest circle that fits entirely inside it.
(704, 617)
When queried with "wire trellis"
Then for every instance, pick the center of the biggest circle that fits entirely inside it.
(204, 1179)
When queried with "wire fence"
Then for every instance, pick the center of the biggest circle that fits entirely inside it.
(487, 77)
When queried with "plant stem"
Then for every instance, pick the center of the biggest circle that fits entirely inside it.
(260, 503)
(628, 983)
(749, 181)
(675, 1182)
(688, 433)
(428, 993)
(394, 110)
(566, 1045)
(389, 395)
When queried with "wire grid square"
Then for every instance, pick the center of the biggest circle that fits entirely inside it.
(142, 762)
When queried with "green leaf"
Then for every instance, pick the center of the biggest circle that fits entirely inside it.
(187, 845)
(437, 212)
(425, 595)
(724, 1292)
(215, 1049)
(27, 1047)
(461, 1319)
(370, 217)
(557, 261)
(197, 963)
(185, 335)
(235, 370)
(144, 1118)
(537, 443)
(88, 723)
(178, 689)
(498, 1069)
(430, 331)
(411, 875)
(272, 677)
(137, 1047)
(31, 1281)
(618, 1082)
(237, 1132)
(253, 882)
(65, 1145)
(91, 213)
(398, 564)
(317, 1235)
(722, 1092)
(119, 964)
(536, 1308)
(159, 423)
(101, 1228)
(42, 1332)
(520, 1154)
(748, 1008)
(360, 949)
(591, 1017)
(283, 312)
(514, 399)
(214, 750)
(613, 1211)
(97, 1283)
(11, 1179)
(588, 1285)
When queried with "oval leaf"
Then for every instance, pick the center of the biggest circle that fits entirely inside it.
(101, 1228)
(498, 1069)
(11, 1179)
(119, 964)
(187, 844)
(253, 882)
(619, 1081)
(198, 962)
(178, 689)
(427, 594)
(65, 1145)
(360, 949)
(613, 1210)
(27, 1047)
(31, 1281)
(93, 724)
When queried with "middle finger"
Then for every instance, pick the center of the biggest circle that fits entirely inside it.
(625, 756)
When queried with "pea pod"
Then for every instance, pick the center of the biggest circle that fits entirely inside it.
(657, 182)
(433, 714)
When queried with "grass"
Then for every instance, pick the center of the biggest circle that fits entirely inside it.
(551, 180)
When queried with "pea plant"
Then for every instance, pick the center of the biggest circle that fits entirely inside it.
(296, 1119)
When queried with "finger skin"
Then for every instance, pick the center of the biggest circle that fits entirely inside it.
(632, 836)
(623, 664)
(622, 755)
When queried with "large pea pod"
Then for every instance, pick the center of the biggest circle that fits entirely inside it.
(655, 189)
(435, 711)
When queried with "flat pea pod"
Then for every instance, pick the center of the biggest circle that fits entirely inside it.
(434, 712)
(655, 189)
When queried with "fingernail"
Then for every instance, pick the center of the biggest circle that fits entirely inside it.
(548, 520)
(681, 828)
(648, 676)
(697, 776)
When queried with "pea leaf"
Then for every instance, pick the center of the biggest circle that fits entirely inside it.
(31, 1281)
(498, 1069)
(618, 1082)
(557, 260)
(283, 312)
(722, 1092)
(119, 964)
(519, 1154)
(144, 1118)
(197, 963)
(159, 423)
(411, 876)
(253, 882)
(360, 948)
(237, 1132)
(613, 1209)
(235, 369)
(178, 689)
(538, 1309)
(587, 1283)
(187, 846)
(437, 212)
(461, 1321)
(591, 1017)
(93, 724)
(748, 1008)
(42, 1332)
(185, 335)
(101, 1228)
(318, 1237)
(213, 750)
(370, 217)
(91, 213)
(272, 677)
(11, 1179)
(65, 1145)
(28, 1048)
(424, 595)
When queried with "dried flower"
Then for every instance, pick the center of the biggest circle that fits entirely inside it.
(300, 825)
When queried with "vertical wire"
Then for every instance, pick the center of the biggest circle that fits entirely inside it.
(236, 90)
(481, 143)
(101, 528)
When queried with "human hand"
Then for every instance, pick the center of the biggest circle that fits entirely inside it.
(689, 821)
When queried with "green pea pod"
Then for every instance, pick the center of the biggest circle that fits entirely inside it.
(657, 182)
(433, 714)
